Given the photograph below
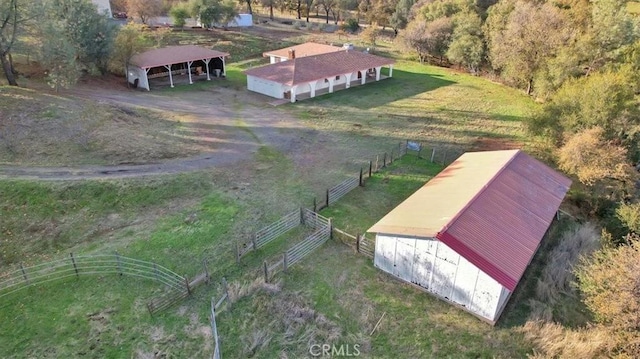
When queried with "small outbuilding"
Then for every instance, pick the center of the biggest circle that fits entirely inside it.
(317, 74)
(168, 61)
(469, 234)
(104, 7)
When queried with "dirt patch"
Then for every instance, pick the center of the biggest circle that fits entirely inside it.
(495, 144)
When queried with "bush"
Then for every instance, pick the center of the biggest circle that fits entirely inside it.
(298, 24)
(351, 25)
(179, 14)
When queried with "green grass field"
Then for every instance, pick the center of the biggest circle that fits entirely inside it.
(333, 296)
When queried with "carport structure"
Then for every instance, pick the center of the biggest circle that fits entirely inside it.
(172, 60)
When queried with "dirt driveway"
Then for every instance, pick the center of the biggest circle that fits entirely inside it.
(238, 121)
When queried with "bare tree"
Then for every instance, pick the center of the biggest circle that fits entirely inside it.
(144, 9)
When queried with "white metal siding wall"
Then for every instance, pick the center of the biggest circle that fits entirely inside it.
(265, 87)
(434, 266)
(139, 74)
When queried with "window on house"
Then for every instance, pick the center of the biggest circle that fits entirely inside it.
(337, 77)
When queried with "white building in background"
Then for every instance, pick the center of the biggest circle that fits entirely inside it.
(469, 234)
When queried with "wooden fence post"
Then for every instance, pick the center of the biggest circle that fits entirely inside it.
(301, 216)
(225, 286)
(400, 149)
(361, 182)
(391, 157)
(285, 265)
(186, 282)
(237, 252)
(206, 271)
(327, 198)
(73, 261)
(444, 157)
(433, 154)
(370, 165)
(24, 274)
(315, 205)
(266, 272)
(253, 241)
(330, 229)
(377, 163)
(357, 243)
(118, 263)
(384, 161)
(419, 148)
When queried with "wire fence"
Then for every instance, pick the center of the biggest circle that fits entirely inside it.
(359, 242)
(214, 326)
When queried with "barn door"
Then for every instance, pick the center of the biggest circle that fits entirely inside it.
(405, 249)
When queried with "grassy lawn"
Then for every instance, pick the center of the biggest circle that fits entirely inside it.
(434, 105)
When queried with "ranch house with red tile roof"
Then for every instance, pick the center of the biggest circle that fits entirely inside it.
(309, 76)
(469, 234)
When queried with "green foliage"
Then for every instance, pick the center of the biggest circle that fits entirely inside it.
(429, 39)
(400, 17)
(59, 57)
(79, 22)
(179, 13)
(629, 215)
(129, 41)
(370, 35)
(444, 8)
(604, 99)
(351, 25)
(211, 12)
(467, 44)
(522, 37)
(609, 283)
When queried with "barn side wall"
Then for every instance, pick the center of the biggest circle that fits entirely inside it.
(265, 87)
(432, 265)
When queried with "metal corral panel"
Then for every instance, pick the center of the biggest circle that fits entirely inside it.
(438, 269)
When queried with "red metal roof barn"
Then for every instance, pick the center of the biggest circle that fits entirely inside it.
(469, 234)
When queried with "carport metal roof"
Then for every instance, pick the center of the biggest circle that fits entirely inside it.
(174, 55)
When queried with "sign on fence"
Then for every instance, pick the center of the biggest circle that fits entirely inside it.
(414, 146)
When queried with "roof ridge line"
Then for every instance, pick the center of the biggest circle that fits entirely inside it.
(484, 188)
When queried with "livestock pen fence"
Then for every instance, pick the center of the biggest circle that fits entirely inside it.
(441, 155)
(176, 286)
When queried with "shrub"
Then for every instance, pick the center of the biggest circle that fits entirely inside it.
(351, 25)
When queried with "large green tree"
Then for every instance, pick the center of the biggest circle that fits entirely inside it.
(467, 43)
(522, 37)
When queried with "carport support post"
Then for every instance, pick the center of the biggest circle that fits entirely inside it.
(189, 63)
(224, 67)
(390, 70)
(206, 62)
(168, 67)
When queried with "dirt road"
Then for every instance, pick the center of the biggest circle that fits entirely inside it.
(240, 121)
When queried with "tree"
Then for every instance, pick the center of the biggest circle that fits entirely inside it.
(14, 15)
(129, 41)
(308, 5)
(604, 99)
(270, 4)
(467, 44)
(211, 12)
(90, 33)
(522, 36)
(248, 2)
(144, 9)
(370, 35)
(59, 56)
(327, 6)
(400, 16)
(179, 13)
(610, 285)
(597, 162)
(429, 39)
